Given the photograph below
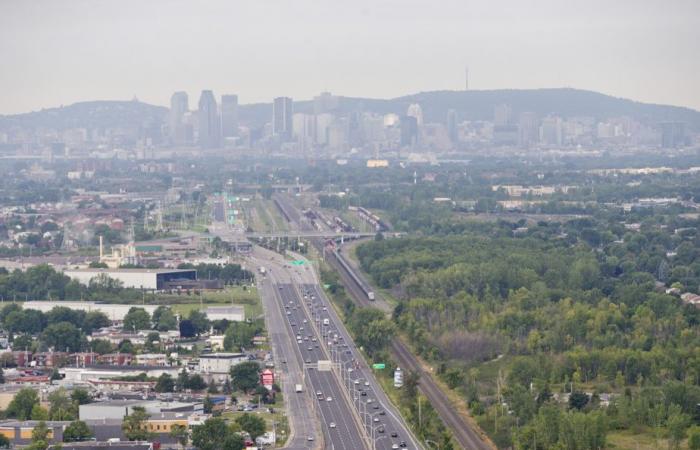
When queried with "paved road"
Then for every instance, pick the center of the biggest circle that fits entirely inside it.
(464, 433)
(303, 423)
(381, 420)
(336, 418)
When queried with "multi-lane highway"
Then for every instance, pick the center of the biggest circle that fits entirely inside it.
(467, 435)
(308, 337)
(301, 414)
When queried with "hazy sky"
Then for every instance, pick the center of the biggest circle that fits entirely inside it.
(56, 52)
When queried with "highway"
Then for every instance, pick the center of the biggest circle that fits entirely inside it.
(313, 333)
(468, 436)
(297, 359)
(303, 422)
(463, 433)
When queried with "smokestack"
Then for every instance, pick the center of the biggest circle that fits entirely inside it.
(101, 249)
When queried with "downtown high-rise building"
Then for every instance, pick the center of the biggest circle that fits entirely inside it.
(209, 126)
(229, 116)
(452, 131)
(177, 129)
(282, 112)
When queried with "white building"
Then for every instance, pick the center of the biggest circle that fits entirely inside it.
(150, 279)
(220, 363)
(232, 313)
(115, 312)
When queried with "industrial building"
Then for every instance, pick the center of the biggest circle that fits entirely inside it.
(220, 363)
(117, 409)
(115, 312)
(149, 279)
(232, 313)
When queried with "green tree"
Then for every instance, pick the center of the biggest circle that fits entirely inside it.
(137, 319)
(182, 381)
(164, 319)
(180, 434)
(77, 431)
(199, 320)
(253, 424)
(101, 346)
(126, 346)
(152, 342)
(40, 437)
(39, 413)
(196, 383)
(165, 383)
(208, 405)
(61, 407)
(578, 400)
(80, 396)
(214, 434)
(677, 424)
(21, 406)
(62, 336)
(134, 425)
(94, 320)
(694, 438)
(245, 376)
(4, 441)
(239, 335)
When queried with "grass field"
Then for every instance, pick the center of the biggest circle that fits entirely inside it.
(236, 295)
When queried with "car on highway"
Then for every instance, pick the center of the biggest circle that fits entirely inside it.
(366, 383)
(332, 424)
(402, 444)
(394, 446)
(363, 393)
(310, 348)
(329, 399)
(310, 438)
(376, 420)
(394, 434)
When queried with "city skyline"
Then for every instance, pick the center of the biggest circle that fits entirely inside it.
(87, 52)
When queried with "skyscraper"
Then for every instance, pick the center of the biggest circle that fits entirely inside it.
(414, 110)
(209, 129)
(282, 118)
(325, 103)
(528, 129)
(452, 125)
(502, 116)
(178, 108)
(229, 115)
(672, 134)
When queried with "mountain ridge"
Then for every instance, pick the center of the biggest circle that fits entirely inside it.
(470, 105)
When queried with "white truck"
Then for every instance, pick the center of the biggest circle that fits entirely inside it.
(326, 322)
(370, 295)
(262, 270)
(298, 388)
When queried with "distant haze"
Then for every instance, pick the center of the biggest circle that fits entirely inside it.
(59, 52)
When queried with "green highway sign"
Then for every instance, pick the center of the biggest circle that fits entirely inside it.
(379, 366)
(298, 262)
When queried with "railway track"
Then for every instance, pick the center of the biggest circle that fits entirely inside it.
(462, 431)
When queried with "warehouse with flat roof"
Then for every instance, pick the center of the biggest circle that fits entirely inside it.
(150, 279)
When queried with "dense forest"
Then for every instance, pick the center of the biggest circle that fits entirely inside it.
(556, 334)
